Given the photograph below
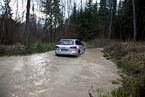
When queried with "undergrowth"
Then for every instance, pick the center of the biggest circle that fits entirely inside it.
(28, 49)
(130, 58)
(97, 43)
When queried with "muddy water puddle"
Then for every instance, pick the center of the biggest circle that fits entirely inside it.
(47, 75)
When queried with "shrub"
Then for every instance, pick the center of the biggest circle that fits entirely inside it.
(130, 58)
(28, 49)
(2, 51)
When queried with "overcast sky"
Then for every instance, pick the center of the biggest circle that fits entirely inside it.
(22, 6)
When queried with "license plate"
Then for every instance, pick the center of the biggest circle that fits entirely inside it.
(63, 49)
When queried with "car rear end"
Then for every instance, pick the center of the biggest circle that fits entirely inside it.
(66, 47)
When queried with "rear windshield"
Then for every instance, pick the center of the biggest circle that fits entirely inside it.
(66, 42)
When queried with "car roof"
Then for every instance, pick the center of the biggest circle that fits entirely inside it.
(69, 39)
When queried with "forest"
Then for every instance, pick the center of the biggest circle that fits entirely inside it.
(122, 20)
(37, 25)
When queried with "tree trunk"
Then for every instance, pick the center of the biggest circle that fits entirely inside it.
(110, 27)
(3, 35)
(65, 19)
(27, 23)
(121, 28)
(16, 11)
(134, 20)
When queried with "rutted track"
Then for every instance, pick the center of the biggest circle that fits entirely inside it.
(47, 75)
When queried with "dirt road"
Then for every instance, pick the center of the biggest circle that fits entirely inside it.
(47, 75)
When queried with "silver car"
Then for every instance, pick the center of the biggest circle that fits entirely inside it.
(69, 47)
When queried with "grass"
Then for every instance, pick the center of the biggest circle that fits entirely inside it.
(120, 92)
(100, 43)
(88, 46)
(97, 43)
(115, 82)
(130, 59)
(29, 49)
(106, 55)
(2, 51)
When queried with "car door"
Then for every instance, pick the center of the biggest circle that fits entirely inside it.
(78, 44)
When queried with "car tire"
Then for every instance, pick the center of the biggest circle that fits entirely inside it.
(78, 54)
(84, 51)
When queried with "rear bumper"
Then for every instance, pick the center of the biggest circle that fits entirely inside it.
(74, 53)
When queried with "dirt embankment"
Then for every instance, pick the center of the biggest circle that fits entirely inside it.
(47, 75)
(130, 57)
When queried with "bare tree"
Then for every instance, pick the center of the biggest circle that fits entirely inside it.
(65, 18)
(134, 20)
(110, 26)
(27, 23)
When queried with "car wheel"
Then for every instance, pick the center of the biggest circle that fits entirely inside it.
(84, 51)
(78, 54)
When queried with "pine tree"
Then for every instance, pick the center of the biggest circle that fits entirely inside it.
(74, 13)
(53, 13)
(88, 26)
(103, 19)
(112, 6)
(58, 16)
(140, 19)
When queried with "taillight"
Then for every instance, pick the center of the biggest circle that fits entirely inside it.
(56, 46)
(73, 47)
